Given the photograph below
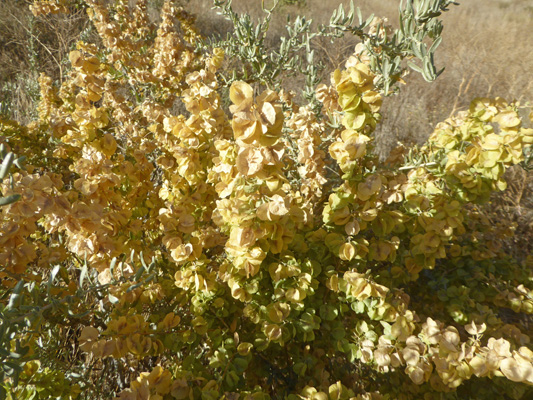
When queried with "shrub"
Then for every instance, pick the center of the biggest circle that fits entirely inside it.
(260, 251)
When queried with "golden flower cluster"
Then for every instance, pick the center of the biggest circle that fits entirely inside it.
(479, 165)
(438, 348)
(308, 133)
(258, 207)
(336, 391)
(360, 104)
(45, 7)
(152, 385)
(40, 197)
(131, 334)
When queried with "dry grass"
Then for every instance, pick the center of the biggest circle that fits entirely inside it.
(29, 46)
(485, 54)
(515, 207)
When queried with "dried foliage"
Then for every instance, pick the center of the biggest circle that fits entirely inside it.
(260, 250)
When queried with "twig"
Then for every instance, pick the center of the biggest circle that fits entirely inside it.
(407, 167)
(42, 44)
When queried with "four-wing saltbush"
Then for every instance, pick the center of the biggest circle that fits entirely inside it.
(261, 251)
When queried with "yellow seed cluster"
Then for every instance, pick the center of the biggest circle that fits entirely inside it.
(45, 7)
(496, 139)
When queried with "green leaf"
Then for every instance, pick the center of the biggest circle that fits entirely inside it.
(141, 256)
(53, 275)
(19, 162)
(12, 369)
(232, 379)
(414, 67)
(6, 164)
(4, 201)
(112, 299)
(79, 315)
(83, 273)
(240, 364)
(112, 267)
(416, 50)
(386, 327)
(358, 307)
(429, 69)
(133, 287)
(15, 295)
(369, 20)
(435, 44)
(300, 368)
(3, 328)
(139, 273)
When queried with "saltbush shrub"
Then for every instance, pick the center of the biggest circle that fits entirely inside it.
(159, 245)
